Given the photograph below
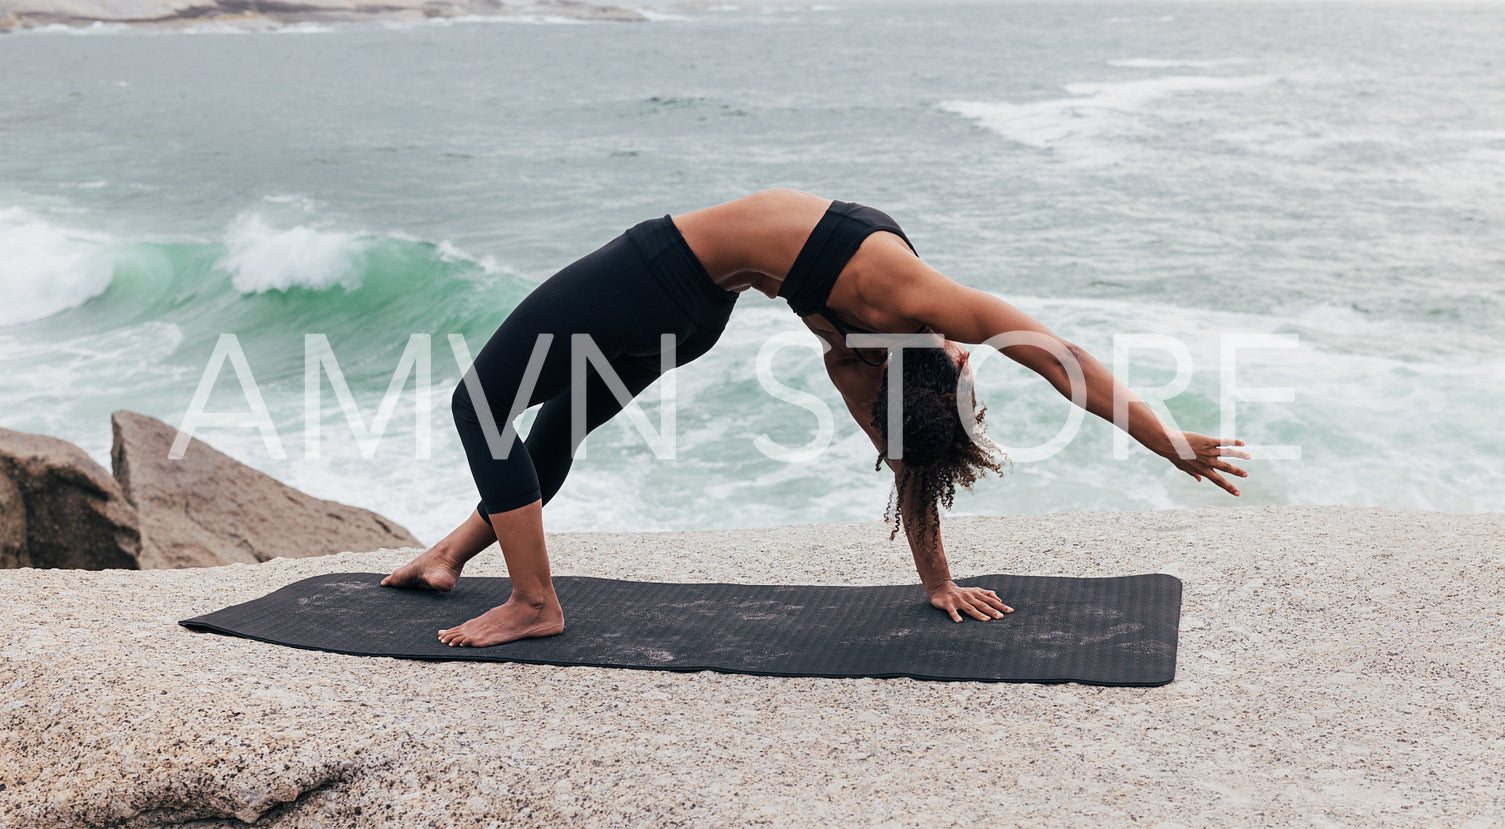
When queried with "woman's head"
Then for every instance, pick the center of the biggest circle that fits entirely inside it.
(936, 448)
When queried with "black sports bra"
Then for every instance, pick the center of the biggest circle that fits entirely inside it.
(830, 245)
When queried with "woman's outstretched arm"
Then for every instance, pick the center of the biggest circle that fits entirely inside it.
(972, 316)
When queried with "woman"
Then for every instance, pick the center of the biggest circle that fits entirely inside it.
(667, 286)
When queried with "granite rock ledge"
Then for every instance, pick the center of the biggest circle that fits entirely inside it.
(1337, 666)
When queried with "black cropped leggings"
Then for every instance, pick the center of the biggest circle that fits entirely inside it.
(624, 296)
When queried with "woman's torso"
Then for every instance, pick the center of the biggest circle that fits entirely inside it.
(754, 241)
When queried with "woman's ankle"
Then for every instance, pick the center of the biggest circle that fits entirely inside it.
(536, 599)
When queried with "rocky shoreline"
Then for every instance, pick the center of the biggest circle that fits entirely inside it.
(58, 508)
(1338, 666)
(258, 15)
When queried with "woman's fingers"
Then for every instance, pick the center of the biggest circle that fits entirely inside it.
(987, 603)
(1209, 460)
(1213, 476)
(1224, 466)
(976, 602)
(1226, 450)
(991, 600)
(1208, 448)
(980, 613)
(1206, 469)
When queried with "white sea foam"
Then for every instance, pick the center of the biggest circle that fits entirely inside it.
(460, 20)
(304, 29)
(218, 27)
(450, 252)
(304, 203)
(522, 19)
(1159, 63)
(98, 27)
(1096, 110)
(111, 358)
(656, 16)
(1133, 95)
(128, 366)
(260, 258)
(1297, 143)
(1472, 135)
(46, 268)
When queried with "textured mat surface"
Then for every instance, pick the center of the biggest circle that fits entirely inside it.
(1108, 631)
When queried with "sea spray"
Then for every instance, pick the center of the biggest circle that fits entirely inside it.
(262, 259)
(46, 267)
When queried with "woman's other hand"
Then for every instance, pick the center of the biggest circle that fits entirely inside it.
(1208, 459)
(974, 601)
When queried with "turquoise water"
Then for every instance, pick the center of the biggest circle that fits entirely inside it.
(1332, 173)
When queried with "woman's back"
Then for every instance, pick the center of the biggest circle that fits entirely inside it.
(754, 241)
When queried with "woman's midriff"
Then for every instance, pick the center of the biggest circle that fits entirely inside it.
(751, 242)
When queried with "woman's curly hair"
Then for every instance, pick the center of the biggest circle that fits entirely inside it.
(937, 451)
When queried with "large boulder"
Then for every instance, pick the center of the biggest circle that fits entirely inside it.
(64, 508)
(12, 526)
(207, 508)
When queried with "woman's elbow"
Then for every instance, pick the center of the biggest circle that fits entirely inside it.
(1060, 362)
(1073, 353)
(1046, 354)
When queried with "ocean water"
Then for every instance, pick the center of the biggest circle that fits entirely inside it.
(1329, 174)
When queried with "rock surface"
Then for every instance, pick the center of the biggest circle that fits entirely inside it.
(66, 507)
(207, 509)
(271, 14)
(12, 526)
(1338, 667)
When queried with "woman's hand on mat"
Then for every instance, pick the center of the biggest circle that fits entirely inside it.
(973, 601)
(1208, 459)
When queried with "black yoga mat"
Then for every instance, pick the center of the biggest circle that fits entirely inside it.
(1106, 631)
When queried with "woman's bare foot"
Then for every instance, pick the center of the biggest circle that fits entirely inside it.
(433, 570)
(439, 567)
(506, 623)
